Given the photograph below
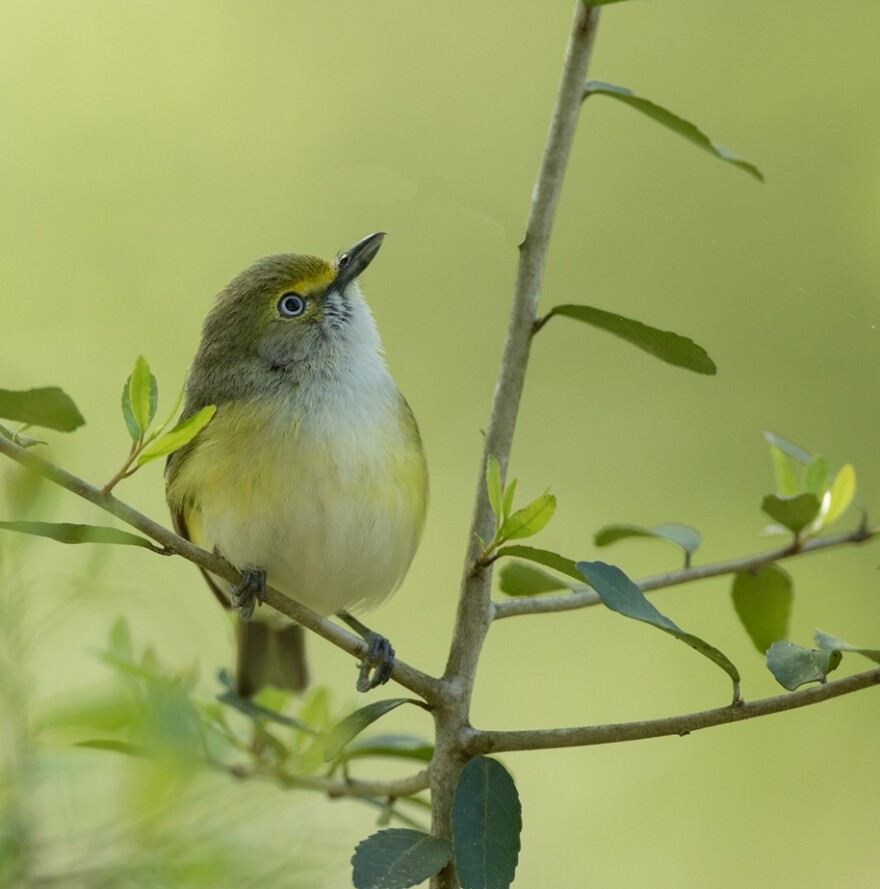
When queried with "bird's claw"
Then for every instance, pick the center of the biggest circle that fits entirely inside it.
(249, 593)
(375, 669)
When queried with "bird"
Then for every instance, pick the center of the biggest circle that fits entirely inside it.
(311, 476)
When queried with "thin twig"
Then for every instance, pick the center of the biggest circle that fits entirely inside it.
(481, 742)
(416, 681)
(744, 564)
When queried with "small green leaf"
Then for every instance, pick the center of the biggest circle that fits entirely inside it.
(397, 858)
(127, 414)
(662, 344)
(183, 433)
(245, 705)
(529, 520)
(620, 594)
(826, 642)
(507, 502)
(816, 476)
(49, 408)
(788, 447)
(839, 496)
(395, 746)
(794, 513)
(356, 722)
(517, 579)
(787, 484)
(67, 533)
(486, 825)
(143, 394)
(543, 557)
(493, 485)
(794, 666)
(115, 746)
(672, 122)
(687, 538)
(763, 604)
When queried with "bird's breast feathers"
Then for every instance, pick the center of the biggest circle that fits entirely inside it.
(331, 507)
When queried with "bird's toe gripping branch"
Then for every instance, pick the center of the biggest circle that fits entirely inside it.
(375, 669)
(250, 592)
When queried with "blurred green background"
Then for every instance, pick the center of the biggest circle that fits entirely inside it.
(153, 150)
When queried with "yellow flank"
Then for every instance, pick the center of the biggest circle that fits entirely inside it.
(331, 506)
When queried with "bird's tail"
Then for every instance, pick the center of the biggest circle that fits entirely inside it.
(270, 655)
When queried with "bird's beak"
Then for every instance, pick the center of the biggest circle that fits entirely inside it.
(351, 263)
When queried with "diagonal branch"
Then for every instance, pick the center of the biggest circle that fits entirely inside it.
(409, 677)
(587, 597)
(481, 742)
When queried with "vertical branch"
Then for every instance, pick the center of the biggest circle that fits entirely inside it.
(474, 613)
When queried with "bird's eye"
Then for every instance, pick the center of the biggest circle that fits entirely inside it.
(342, 262)
(291, 305)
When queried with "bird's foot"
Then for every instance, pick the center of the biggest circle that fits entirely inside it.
(375, 669)
(249, 593)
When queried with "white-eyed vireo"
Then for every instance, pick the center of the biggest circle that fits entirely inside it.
(311, 476)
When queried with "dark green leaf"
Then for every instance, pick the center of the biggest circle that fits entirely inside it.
(687, 538)
(486, 825)
(517, 579)
(356, 722)
(672, 122)
(763, 603)
(397, 858)
(790, 448)
(397, 746)
(529, 520)
(794, 513)
(662, 344)
(49, 407)
(67, 533)
(183, 433)
(620, 594)
(542, 557)
(794, 666)
(832, 643)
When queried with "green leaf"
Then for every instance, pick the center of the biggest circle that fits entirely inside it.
(507, 502)
(682, 535)
(763, 604)
(115, 746)
(666, 118)
(398, 858)
(356, 722)
(49, 407)
(143, 394)
(662, 344)
(794, 513)
(486, 825)
(529, 520)
(542, 557)
(832, 643)
(620, 594)
(493, 485)
(517, 579)
(67, 533)
(787, 484)
(395, 746)
(816, 476)
(839, 496)
(130, 422)
(119, 639)
(794, 666)
(183, 433)
(788, 447)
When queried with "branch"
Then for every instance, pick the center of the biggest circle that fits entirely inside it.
(482, 742)
(744, 564)
(420, 683)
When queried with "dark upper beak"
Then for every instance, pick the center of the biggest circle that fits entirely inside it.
(351, 263)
